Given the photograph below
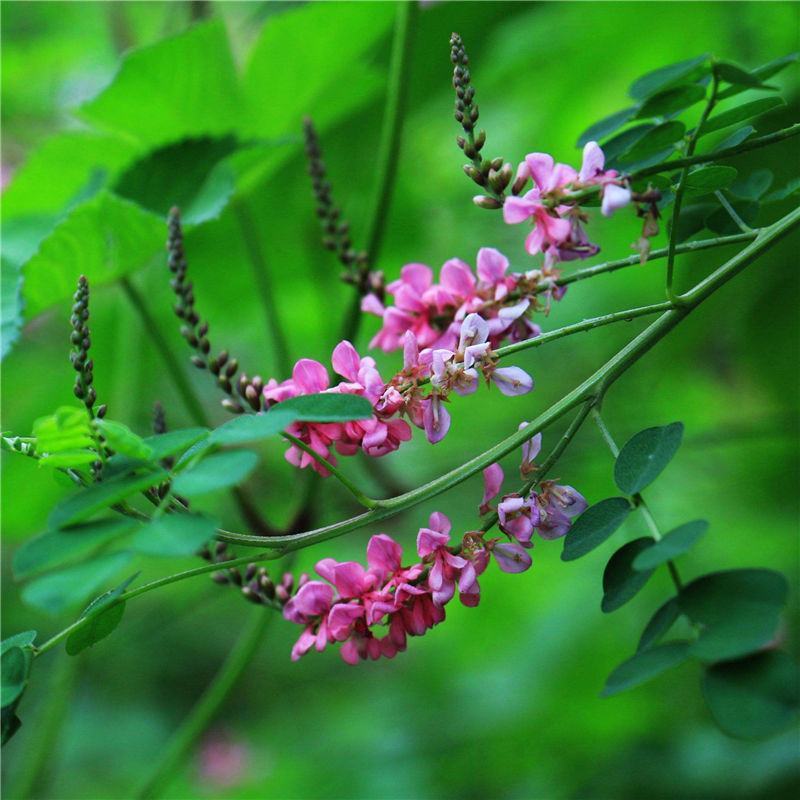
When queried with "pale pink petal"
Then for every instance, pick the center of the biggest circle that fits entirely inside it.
(519, 209)
(492, 265)
(441, 523)
(614, 198)
(593, 162)
(420, 276)
(457, 278)
(346, 361)
(371, 305)
(512, 380)
(540, 166)
(310, 376)
(436, 419)
(511, 557)
(492, 483)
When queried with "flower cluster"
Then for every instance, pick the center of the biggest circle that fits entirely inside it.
(548, 511)
(434, 311)
(558, 230)
(445, 370)
(372, 611)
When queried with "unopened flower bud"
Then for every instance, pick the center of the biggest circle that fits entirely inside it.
(232, 406)
(482, 201)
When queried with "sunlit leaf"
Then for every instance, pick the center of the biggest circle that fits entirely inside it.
(594, 526)
(123, 440)
(645, 455)
(755, 697)
(673, 544)
(644, 666)
(620, 580)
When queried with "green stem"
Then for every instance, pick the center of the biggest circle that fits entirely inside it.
(740, 223)
(368, 502)
(388, 150)
(173, 365)
(207, 706)
(252, 241)
(676, 205)
(635, 260)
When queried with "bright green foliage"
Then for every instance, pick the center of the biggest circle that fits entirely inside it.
(645, 455)
(215, 472)
(741, 113)
(664, 77)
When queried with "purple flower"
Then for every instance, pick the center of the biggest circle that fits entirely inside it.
(511, 557)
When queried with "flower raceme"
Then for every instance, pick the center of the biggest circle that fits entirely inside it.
(433, 312)
(371, 611)
(558, 226)
(384, 431)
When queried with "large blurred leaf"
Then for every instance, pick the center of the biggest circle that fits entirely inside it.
(10, 303)
(671, 101)
(174, 535)
(755, 697)
(738, 609)
(655, 141)
(60, 591)
(663, 619)
(182, 86)
(104, 238)
(215, 472)
(278, 97)
(58, 547)
(606, 126)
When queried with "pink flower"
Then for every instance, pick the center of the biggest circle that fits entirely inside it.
(558, 506)
(309, 607)
(518, 516)
(446, 568)
(550, 231)
(492, 483)
(614, 198)
(511, 557)
(436, 418)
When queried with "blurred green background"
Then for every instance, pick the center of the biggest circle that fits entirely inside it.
(502, 701)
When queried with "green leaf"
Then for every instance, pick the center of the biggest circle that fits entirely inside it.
(60, 591)
(644, 666)
(664, 618)
(754, 186)
(329, 407)
(23, 640)
(656, 141)
(719, 220)
(671, 101)
(14, 668)
(10, 304)
(738, 609)
(607, 126)
(68, 429)
(68, 458)
(736, 138)
(693, 219)
(11, 723)
(673, 544)
(617, 146)
(174, 80)
(755, 697)
(173, 442)
(87, 502)
(791, 189)
(253, 427)
(645, 456)
(177, 175)
(661, 78)
(276, 106)
(123, 440)
(620, 580)
(104, 238)
(594, 526)
(708, 179)
(175, 535)
(103, 622)
(215, 472)
(731, 73)
(97, 628)
(740, 114)
(59, 547)
(763, 73)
